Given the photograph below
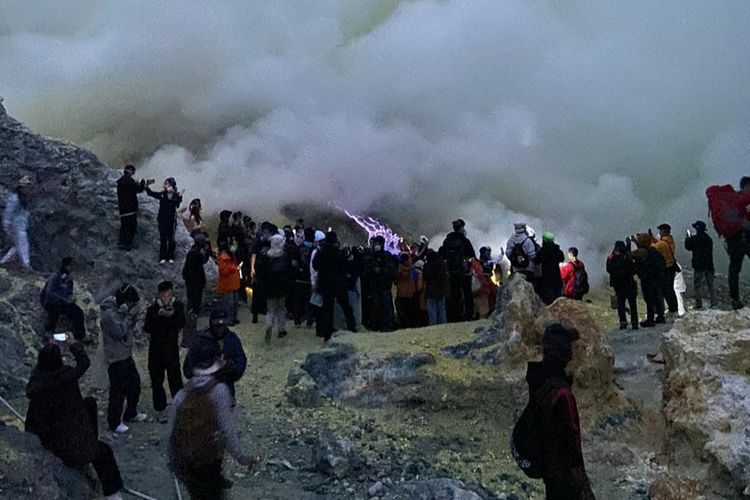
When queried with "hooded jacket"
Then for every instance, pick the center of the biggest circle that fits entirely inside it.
(622, 270)
(435, 277)
(568, 274)
(667, 248)
(380, 271)
(118, 326)
(549, 258)
(57, 414)
(702, 247)
(330, 265)
(193, 271)
(273, 270)
(527, 244)
(59, 290)
(229, 274)
(231, 348)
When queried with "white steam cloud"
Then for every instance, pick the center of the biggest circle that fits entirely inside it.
(594, 119)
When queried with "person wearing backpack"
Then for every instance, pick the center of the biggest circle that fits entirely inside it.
(574, 276)
(650, 267)
(274, 273)
(702, 247)
(549, 258)
(621, 269)
(738, 245)
(303, 283)
(546, 440)
(57, 299)
(666, 246)
(457, 251)
(330, 264)
(521, 251)
(203, 428)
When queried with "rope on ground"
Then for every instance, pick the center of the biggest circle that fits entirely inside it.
(138, 494)
(177, 487)
(20, 417)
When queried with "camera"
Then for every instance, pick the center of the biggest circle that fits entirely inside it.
(150, 181)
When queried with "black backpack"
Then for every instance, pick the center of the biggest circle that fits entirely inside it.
(454, 256)
(580, 282)
(526, 439)
(518, 257)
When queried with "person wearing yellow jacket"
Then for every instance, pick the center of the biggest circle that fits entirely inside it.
(666, 246)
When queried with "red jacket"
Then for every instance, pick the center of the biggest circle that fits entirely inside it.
(568, 273)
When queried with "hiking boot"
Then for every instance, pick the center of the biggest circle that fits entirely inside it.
(634, 327)
(649, 323)
(623, 326)
(282, 334)
(269, 331)
(660, 320)
(255, 319)
(121, 429)
(737, 304)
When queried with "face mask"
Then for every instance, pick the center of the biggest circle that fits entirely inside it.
(170, 189)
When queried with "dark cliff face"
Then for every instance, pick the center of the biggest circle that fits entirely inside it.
(74, 211)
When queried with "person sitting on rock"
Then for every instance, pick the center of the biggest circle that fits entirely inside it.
(702, 247)
(127, 203)
(563, 468)
(119, 316)
(621, 269)
(164, 320)
(16, 221)
(203, 427)
(169, 200)
(65, 422)
(228, 342)
(57, 299)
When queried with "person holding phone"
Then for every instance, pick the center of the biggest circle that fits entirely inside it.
(64, 420)
(57, 299)
(127, 203)
(169, 200)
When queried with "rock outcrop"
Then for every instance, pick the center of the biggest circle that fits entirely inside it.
(29, 472)
(707, 394)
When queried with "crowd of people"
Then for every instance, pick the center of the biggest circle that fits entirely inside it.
(306, 276)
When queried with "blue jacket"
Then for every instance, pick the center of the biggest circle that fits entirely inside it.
(231, 348)
(58, 290)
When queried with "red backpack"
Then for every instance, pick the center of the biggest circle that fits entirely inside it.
(727, 209)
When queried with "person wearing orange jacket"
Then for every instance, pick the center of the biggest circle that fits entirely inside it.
(666, 246)
(228, 284)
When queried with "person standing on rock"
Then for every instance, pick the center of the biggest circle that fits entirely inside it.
(65, 422)
(118, 319)
(621, 269)
(274, 275)
(563, 468)
(666, 246)
(194, 275)
(164, 320)
(127, 203)
(702, 247)
(457, 251)
(521, 250)
(203, 428)
(228, 343)
(549, 259)
(57, 299)
(16, 221)
(169, 200)
(572, 275)
(650, 267)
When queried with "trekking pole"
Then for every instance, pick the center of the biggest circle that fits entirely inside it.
(13, 410)
(177, 487)
(138, 494)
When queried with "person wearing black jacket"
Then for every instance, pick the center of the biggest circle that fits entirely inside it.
(622, 270)
(457, 251)
(379, 275)
(549, 257)
(303, 282)
(164, 320)
(194, 275)
(330, 264)
(57, 299)
(169, 201)
(650, 267)
(702, 247)
(127, 203)
(64, 421)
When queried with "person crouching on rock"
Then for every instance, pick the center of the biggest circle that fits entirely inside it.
(57, 299)
(563, 469)
(16, 221)
(169, 200)
(65, 422)
(119, 316)
(228, 343)
(164, 320)
(203, 428)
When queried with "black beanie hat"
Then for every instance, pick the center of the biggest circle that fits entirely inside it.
(50, 358)
(164, 286)
(127, 294)
(65, 263)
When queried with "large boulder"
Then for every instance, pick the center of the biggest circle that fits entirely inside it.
(707, 394)
(29, 472)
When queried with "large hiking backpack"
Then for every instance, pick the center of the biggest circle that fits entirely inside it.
(519, 259)
(580, 282)
(727, 209)
(194, 442)
(454, 256)
(526, 439)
